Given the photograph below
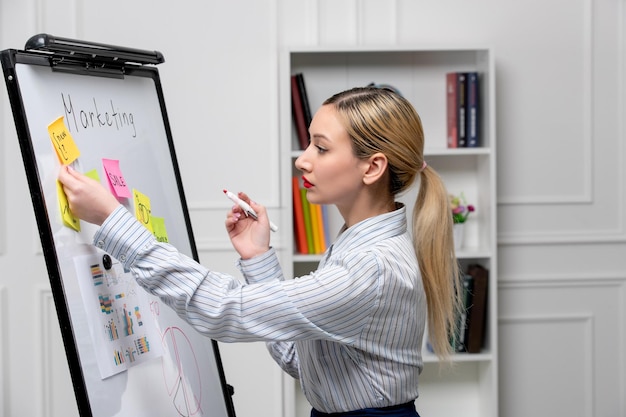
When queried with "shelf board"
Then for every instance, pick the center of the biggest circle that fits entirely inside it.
(414, 49)
(307, 258)
(456, 151)
(429, 357)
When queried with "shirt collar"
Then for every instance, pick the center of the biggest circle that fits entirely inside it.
(372, 230)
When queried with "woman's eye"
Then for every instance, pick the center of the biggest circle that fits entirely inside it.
(320, 149)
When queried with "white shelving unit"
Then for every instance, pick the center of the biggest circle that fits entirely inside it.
(470, 386)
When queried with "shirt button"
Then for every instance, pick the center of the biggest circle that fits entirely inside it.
(122, 258)
(100, 244)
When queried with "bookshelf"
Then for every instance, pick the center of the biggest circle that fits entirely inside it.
(470, 386)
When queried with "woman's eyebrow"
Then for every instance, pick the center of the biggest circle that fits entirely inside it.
(320, 137)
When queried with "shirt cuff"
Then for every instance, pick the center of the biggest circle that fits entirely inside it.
(264, 267)
(123, 237)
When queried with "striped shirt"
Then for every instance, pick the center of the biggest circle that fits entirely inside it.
(351, 331)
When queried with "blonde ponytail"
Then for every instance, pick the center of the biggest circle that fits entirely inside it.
(432, 239)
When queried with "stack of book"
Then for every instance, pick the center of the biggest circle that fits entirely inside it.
(310, 222)
(463, 109)
(301, 110)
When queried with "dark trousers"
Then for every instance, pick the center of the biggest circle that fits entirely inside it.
(402, 410)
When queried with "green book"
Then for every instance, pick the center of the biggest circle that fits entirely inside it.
(306, 208)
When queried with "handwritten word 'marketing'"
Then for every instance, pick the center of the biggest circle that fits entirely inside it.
(95, 117)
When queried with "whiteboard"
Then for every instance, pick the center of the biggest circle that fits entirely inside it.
(118, 368)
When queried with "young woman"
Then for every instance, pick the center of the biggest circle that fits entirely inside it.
(352, 330)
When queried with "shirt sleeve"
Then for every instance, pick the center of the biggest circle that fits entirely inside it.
(286, 356)
(330, 304)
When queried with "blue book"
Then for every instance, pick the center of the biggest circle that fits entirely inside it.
(462, 109)
(472, 116)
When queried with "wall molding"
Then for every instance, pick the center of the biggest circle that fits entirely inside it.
(47, 319)
(613, 283)
(564, 280)
(560, 238)
(587, 192)
(43, 11)
(586, 364)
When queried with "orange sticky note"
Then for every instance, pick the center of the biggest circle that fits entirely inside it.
(66, 214)
(62, 141)
(142, 209)
(117, 182)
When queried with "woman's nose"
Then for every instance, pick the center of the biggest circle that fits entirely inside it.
(301, 162)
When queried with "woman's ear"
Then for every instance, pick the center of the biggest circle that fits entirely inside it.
(376, 168)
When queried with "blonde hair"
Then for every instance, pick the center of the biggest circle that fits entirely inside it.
(379, 120)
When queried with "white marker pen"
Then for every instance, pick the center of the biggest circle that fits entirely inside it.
(247, 209)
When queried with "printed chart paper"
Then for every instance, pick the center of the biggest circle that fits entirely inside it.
(123, 328)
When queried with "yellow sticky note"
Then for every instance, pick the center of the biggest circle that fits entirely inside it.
(62, 140)
(142, 209)
(158, 229)
(66, 214)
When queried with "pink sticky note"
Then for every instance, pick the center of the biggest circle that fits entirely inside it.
(115, 177)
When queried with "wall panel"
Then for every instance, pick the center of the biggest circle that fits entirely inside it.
(53, 378)
(563, 180)
(561, 343)
(561, 348)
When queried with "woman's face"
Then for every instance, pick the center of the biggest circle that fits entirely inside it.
(332, 174)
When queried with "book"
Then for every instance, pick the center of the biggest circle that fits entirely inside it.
(472, 112)
(298, 218)
(309, 222)
(297, 110)
(319, 233)
(326, 223)
(315, 228)
(460, 344)
(304, 97)
(451, 112)
(306, 210)
(477, 314)
(461, 96)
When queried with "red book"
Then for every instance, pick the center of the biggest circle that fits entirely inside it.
(298, 218)
(299, 118)
(305, 99)
(452, 110)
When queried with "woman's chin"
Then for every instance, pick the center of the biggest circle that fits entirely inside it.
(312, 198)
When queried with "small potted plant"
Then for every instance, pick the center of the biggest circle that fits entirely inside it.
(460, 212)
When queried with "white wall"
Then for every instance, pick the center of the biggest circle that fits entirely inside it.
(561, 91)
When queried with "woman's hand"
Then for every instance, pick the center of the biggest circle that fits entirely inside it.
(87, 198)
(249, 237)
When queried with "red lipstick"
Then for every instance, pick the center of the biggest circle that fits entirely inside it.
(306, 183)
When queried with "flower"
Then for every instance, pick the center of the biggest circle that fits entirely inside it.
(460, 208)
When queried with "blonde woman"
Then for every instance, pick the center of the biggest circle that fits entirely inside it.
(352, 330)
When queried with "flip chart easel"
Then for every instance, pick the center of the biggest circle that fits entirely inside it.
(128, 354)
